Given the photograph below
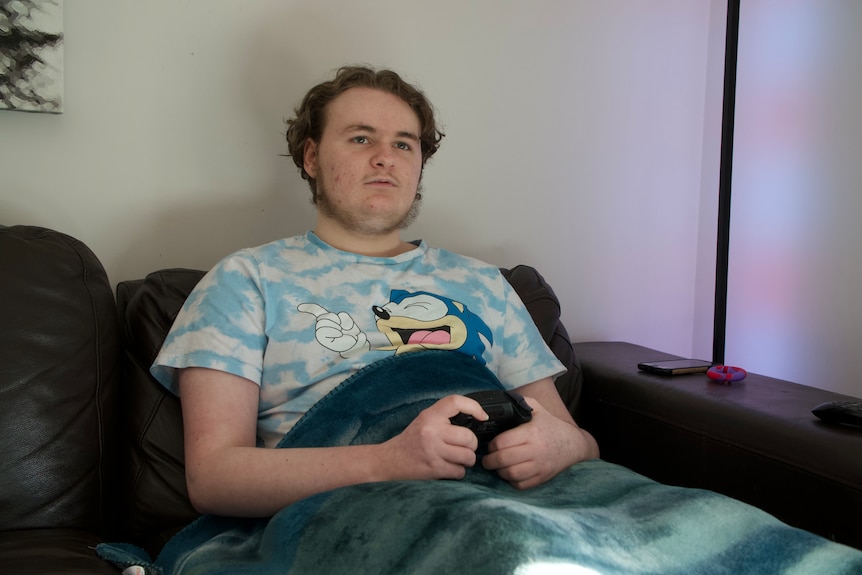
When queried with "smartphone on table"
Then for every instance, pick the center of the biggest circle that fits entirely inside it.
(675, 366)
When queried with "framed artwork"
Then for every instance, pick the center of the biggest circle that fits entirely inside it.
(31, 55)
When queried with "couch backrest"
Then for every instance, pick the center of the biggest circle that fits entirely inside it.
(544, 307)
(59, 350)
(159, 503)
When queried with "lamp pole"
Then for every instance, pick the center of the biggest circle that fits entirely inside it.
(731, 45)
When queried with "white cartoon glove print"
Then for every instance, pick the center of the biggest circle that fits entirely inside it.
(336, 331)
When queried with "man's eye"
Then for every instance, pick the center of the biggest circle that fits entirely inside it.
(403, 146)
(360, 139)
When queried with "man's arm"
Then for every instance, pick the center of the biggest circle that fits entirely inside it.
(533, 453)
(227, 474)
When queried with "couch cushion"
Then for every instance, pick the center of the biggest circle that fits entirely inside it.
(58, 383)
(54, 551)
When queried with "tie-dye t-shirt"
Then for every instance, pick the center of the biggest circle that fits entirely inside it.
(297, 317)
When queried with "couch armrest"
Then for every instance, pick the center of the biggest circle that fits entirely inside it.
(755, 440)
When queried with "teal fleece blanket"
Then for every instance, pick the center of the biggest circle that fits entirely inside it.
(595, 517)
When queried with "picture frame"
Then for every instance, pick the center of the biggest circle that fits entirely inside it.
(31, 55)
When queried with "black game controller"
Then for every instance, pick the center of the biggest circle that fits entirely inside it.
(505, 409)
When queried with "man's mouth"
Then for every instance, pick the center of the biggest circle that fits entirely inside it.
(381, 182)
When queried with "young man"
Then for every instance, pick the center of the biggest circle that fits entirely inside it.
(270, 330)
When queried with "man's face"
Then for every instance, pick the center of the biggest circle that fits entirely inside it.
(368, 162)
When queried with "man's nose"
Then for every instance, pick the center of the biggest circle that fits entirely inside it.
(383, 157)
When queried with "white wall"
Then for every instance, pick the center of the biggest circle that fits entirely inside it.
(707, 241)
(575, 140)
(795, 274)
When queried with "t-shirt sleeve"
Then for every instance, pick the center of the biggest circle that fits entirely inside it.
(220, 326)
(525, 356)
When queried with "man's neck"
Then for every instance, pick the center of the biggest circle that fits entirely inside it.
(384, 245)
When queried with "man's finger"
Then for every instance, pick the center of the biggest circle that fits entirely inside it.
(452, 405)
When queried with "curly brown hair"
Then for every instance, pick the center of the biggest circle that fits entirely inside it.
(310, 116)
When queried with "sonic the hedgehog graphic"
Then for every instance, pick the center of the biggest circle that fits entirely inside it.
(422, 320)
(410, 321)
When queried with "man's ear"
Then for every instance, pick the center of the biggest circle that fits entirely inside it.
(309, 158)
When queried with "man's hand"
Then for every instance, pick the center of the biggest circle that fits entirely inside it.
(431, 447)
(533, 453)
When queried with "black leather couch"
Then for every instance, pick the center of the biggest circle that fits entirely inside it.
(92, 447)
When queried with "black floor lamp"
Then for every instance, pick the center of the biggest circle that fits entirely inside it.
(719, 333)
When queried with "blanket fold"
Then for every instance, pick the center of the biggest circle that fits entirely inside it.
(595, 517)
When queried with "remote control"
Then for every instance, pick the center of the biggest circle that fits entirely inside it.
(845, 412)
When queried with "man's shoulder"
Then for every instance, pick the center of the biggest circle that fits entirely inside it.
(277, 247)
(456, 259)
(257, 261)
(269, 251)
